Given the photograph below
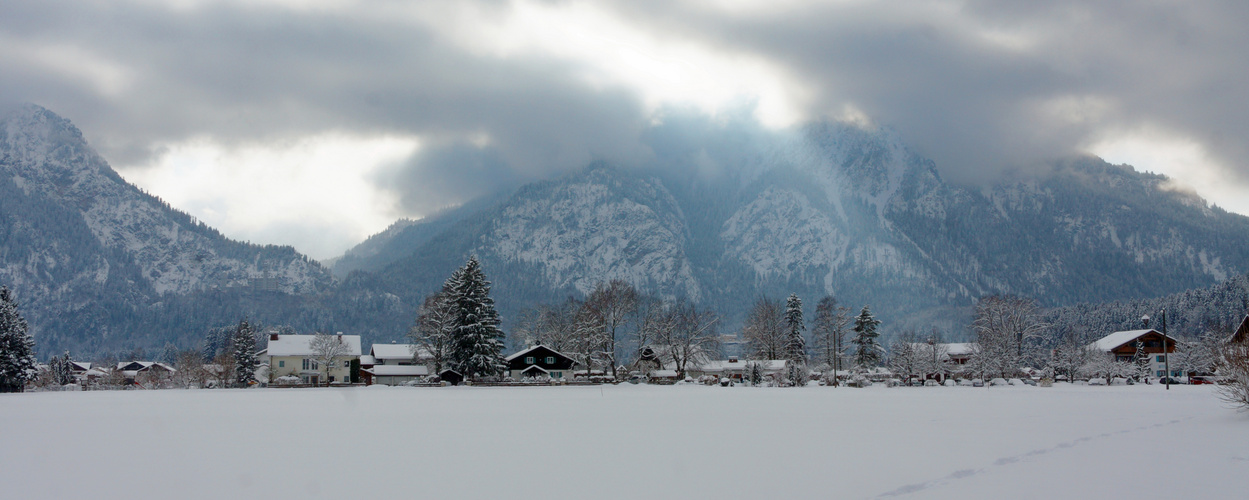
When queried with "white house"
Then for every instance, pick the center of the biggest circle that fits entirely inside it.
(393, 364)
(736, 368)
(292, 355)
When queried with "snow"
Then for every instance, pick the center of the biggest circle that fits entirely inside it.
(300, 345)
(399, 370)
(392, 351)
(1109, 342)
(687, 441)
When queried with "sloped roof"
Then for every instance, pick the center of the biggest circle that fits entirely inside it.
(399, 370)
(523, 352)
(954, 349)
(392, 351)
(719, 365)
(1114, 340)
(299, 345)
(367, 359)
(1242, 332)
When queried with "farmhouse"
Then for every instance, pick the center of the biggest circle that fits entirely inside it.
(132, 369)
(292, 355)
(1123, 346)
(1241, 335)
(736, 369)
(540, 361)
(392, 364)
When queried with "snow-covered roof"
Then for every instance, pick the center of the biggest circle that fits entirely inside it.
(535, 367)
(392, 351)
(1114, 340)
(399, 370)
(960, 348)
(299, 345)
(664, 374)
(81, 365)
(720, 365)
(368, 359)
(522, 352)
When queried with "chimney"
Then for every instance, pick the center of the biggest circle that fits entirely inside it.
(340, 337)
(273, 336)
(732, 359)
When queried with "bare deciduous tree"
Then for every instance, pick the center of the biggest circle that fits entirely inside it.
(1006, 328)
(828, 332)
(325, 350)
(435, 322)
(691, 339)
(765, 330)
(610, 306)
(1234, 366)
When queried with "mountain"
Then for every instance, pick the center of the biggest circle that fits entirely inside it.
(99, 266)
(95, 261)
(834, 210)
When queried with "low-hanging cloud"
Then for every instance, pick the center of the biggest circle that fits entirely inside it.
(980, 87)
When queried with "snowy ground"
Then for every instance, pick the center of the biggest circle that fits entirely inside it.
(683, 442)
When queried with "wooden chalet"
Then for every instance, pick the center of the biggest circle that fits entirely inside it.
(1123, 346)
(1241, 335)
(540, 361)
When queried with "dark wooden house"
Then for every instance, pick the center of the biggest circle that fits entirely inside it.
(540, 361)
(1242, 333)
(1123, 346)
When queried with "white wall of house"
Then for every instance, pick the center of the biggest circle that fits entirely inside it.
(306, 367)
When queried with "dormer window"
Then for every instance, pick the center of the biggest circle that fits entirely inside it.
(529, 360)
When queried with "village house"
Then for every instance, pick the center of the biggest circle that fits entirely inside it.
(736, 369)
(1241, 335)
(1123, 346)
(132, 369)
(292, 356)
(393, 364)
(540, 362)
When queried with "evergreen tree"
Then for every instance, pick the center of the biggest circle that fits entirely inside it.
(756, 374)
(477, 341)
(169, 355)
(867, 349)
(795, 344)
(243, 343)
(17, 347)
(62, 370)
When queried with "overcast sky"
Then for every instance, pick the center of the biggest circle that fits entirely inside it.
(318, 122)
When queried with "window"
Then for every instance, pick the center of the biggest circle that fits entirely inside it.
(1160, 359)
(550, 360)
(281, 364)
(529, 360)
(346, 364)
(307, 363)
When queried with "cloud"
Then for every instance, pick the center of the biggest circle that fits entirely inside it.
(501, 92)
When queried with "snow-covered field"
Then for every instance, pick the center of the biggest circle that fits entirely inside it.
(682, 442)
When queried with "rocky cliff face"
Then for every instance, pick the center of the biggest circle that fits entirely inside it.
(76, 236)
(858, 215)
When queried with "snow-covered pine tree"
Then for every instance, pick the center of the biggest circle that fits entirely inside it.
(756, 374)
(169, 354)
(17, 347)
(62, 370)
(795, 343)
(477, 342)
(243, 348)
(1141, 362)
(868, 350)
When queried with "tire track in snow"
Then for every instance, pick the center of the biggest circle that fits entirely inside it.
(1004, 461)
